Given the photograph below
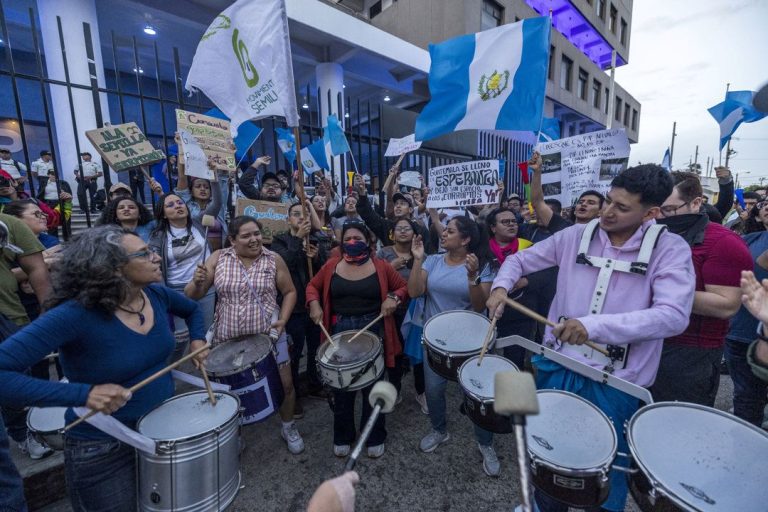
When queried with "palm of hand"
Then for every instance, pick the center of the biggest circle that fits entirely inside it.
(755, 297)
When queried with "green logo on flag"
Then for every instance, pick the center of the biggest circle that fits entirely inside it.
(241, 52)
(491, 87)
(224, 22)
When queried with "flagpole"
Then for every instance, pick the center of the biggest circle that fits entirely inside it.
(300, 191)
(672, 147)
(544, 102)
(728, 146)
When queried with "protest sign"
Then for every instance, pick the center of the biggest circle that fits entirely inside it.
(273, 216)
(212, 136)
(123, 146)
(411, 179)
(463, 184)
(584, 162)
(397, 147)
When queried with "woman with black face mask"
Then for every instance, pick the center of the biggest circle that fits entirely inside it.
(349, 292)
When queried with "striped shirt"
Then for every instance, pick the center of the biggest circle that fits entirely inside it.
(247, 297)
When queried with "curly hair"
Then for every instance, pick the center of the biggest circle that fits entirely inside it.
(86, 271)
(109, 215)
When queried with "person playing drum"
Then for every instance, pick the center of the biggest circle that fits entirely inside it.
(624, 284)
(347, 294)
(457, 279)
(247, 277)
(109, 324)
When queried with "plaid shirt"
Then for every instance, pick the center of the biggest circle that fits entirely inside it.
(247, 298)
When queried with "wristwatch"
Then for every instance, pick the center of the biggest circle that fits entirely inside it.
(393, 297)
(475, 281)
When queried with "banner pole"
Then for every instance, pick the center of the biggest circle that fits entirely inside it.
(298, 186)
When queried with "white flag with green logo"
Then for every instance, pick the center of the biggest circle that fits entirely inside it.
(243, 63)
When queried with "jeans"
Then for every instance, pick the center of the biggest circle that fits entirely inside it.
(301, 329)
(749, 392)
(688, 374)
(15, 421)
(344, 430)
(137, 190)
(11, 486)
(91, 188)
(101, 475)
(435, 389)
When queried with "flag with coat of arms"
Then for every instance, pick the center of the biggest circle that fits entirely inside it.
(491, 80)
(243, 63)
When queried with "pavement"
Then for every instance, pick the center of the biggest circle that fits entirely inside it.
(451, 479)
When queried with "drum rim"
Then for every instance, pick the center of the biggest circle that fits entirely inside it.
(194, 436)
(658, 486)
(252, 364)
(448, 353)
(59, 430)
(324, 346)
(605, 464)
(483, 399)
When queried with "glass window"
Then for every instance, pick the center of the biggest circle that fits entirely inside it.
(612, 19)
(623, 32)
(491, 16)
(551, 69)
(596, 93)
(600, 9)
(583, 81)
(566, 66)
(634, 119)
(375, 10)
(607, 101)
(627, 108)
(617, 111)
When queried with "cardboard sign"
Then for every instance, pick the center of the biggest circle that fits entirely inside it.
(397, 147)
(273, 216)
(209, 134)
(123, 146)
(584, 162)
(463, 184)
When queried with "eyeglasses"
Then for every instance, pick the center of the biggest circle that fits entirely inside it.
(40, 215)
(146, 254)
(761, 204)
(506, 222)
(403, 229)
(669, 210)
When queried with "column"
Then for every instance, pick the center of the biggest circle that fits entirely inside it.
(330, 77)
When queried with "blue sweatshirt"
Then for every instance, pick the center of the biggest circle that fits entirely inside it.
(95, 348)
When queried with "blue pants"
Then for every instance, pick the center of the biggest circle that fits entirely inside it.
(749, 392)
(617, 405)
(11, 487)
(101, 475)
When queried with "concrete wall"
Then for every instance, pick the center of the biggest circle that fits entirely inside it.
(588, 9)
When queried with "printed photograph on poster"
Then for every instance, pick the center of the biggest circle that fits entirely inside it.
(612, 167)
(463, 184)
(551, 163)
(552, 189)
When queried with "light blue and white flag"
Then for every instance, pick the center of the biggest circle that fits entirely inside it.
(287, 143)
(736, 109)
(665, 163)
(313, 157)
(550, 129)
(247, 134)
(492, 80)
(334, 134)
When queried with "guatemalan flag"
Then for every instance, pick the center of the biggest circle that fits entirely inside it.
(736, 109)
(493, 80)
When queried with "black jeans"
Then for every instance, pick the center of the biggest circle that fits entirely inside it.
(11, 487)
(688, 374)
(749, 392)
(82, 188)
(137, 189)
(303, 331)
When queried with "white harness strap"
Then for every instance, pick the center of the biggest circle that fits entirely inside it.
(606, 268)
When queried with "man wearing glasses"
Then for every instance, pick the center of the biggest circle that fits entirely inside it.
(689, 370)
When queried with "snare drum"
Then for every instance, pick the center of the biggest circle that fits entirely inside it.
(452, 337)
(572, 445)
(477, 384)
(47, 425)
(248, 366)
(197, 464)
(351, 366)
(692, 457)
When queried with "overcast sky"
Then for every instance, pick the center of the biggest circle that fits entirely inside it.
(682, 55)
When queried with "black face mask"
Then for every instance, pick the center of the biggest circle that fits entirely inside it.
(690, 226)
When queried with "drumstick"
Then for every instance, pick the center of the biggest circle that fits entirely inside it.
(325, 331)
(381, 315)
(146, 381)
(488, 337)
(208, 387)
(532, 314)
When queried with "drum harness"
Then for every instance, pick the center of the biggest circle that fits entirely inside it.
(617, 353)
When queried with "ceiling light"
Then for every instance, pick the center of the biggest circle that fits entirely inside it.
(386, 97)
(149, 30)
(343, 86)
(140, 71)
(305, 106)
(346, 115)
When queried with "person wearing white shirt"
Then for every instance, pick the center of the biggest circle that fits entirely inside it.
(13, 167)
(87, 176)
(41, 166)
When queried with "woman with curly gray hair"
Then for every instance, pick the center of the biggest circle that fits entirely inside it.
(108, 321)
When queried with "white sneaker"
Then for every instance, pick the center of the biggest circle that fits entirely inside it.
(374, 452)
(422, 400)
(431, 441)
(491, 464)
(341, 450)
(293, 439)
(35, 450)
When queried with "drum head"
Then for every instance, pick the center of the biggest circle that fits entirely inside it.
(701, 457)
(234, 356)
(570, 432)
(188, 415)
(362, 348)
(456, 331)
(478, 380)
(46, 419)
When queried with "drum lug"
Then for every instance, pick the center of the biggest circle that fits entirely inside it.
(165, 447)
(338, 378)
(534, 466)
(482, 409)
(448, 361)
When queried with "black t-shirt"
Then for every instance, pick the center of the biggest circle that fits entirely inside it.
(355, 297)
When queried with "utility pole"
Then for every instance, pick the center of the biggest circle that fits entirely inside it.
(672, 146)
(612, 93)
(696, 156)
(706, 169)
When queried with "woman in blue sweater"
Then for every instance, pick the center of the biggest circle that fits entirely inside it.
(108, 321)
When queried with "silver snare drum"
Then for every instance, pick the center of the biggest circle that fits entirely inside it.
(47, 425)
(572, 445)
(452, 337)
(693, 457)
(197, 464)
(351, 366)
(477, 382)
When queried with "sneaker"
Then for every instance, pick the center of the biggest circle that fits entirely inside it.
(422, 401)
(341, 450)
(374, 452)
(34, 449)
(293, 438)
(298, 410)
(432, 440)
(491, 464)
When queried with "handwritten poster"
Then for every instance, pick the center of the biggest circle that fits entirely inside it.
(209, 134)
(397, 147)
(463, 184)
(583, 162)
(272, 216)
(123, 146)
